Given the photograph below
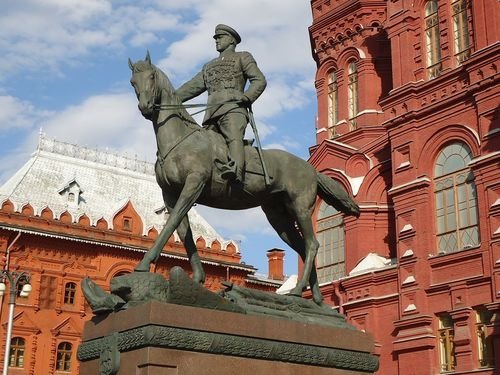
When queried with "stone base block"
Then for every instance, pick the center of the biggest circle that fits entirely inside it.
(166, 339)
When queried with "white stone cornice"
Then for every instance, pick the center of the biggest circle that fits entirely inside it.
(406, 185)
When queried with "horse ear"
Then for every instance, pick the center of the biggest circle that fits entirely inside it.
(148, 58)
(130, 64)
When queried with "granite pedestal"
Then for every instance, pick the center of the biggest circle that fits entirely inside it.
(167, 339)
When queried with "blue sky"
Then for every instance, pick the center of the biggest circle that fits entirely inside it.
(64, 70)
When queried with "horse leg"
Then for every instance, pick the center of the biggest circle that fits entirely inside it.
(311, 246)
(186, 235)
(192, 189)
(284, 225)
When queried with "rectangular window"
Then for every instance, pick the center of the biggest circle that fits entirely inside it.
(16, 355)
(447, 358)
(432, 41)
(48, 292)
(352, 94)
(64, 354)
(460, 30)
(127, 224)
(332, 105)
(69, 293)
(330, 260)
(484, 340)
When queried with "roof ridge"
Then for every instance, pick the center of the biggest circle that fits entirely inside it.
(95, 155)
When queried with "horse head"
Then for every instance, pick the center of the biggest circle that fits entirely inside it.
(144, 83)
(155, 91)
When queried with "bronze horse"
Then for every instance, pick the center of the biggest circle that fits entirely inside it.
(187, 174)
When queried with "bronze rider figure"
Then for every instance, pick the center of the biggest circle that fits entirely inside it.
(225, 78)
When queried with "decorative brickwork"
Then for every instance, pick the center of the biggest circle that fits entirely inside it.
(61, 238)
(438, 232)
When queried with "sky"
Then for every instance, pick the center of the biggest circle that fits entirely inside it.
(64, 72)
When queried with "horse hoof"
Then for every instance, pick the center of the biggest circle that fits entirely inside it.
(322, 304)
(296, 292)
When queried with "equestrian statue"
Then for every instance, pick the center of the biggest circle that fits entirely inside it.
(191, 167)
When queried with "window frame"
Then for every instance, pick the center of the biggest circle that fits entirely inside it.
(333, 103)
(17, 352)
(485, 347)
(455, 199)
(352, 93)
(446, 334)
(432, 39)
(127, 223)
(461, 32)
(64, 357)
(70, 289)
(330, 264)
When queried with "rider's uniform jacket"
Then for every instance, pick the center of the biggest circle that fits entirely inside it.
(225, 78)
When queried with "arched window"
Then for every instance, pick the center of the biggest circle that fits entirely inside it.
(64, 354)
(330, 260)
(333, 110)
(432, 43)
(69, 293)
(460, 30)
(352, 94)
(16, 355)
(456, 202)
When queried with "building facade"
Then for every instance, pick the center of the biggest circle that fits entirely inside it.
(409, 123)
(72, 212)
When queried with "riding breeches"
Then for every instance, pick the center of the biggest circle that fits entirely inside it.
(232, 126)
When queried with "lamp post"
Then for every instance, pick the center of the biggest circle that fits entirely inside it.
(14, 278)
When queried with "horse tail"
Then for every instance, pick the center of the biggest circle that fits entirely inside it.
(333, 194)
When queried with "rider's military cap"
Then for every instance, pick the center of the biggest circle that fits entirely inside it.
(226, 30)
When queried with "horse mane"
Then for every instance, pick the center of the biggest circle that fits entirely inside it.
(164, 84)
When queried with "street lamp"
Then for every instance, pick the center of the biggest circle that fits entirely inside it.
(15, 279)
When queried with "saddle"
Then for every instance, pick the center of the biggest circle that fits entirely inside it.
(227, 168)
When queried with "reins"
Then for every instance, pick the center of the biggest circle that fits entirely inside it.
(204, 107)
(161, 158)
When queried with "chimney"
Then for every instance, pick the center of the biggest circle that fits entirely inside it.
(275, 262)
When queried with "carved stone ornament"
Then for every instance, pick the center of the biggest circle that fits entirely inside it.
(230, 345)
(109, 356)
(137, 288)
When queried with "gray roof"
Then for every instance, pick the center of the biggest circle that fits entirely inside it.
(81, 180)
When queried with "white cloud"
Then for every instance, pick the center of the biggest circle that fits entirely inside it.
(40, 35)
(275, 146)
(108, 120)
(17, 113)
(242, 223)
(44, 40)
(259, 27)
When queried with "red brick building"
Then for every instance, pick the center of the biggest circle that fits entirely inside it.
(72, 212)
(408, 121)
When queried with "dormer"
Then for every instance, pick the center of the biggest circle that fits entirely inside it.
(71, 193)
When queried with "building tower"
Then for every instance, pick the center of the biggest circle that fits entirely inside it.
(408, 122)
